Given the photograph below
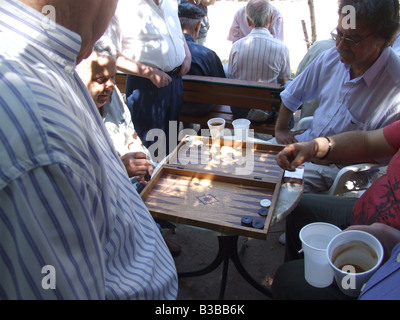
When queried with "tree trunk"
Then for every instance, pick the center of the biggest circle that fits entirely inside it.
(312, 18)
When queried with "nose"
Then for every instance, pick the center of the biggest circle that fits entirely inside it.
(109, 84)
(341, 43)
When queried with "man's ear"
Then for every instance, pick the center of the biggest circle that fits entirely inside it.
(248, 22)
(197, 30)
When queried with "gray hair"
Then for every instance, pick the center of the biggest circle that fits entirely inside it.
(105, 48)
(259, 12)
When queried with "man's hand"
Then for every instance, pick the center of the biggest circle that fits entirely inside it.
(286, 136)
(295, 154)
(388, 236)
(159, 78)
(137, 165)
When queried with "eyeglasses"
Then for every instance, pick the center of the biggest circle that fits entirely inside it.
(348, 41)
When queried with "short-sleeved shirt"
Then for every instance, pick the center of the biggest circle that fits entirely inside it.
(150, 33)
(259, 57)
(368, 102)
(381, 202)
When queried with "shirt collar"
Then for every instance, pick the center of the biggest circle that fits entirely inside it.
(188, 37)
(264, 31)
(373, 71)
(28, 25)
(370, 75)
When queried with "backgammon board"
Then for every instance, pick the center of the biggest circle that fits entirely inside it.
(223, 185)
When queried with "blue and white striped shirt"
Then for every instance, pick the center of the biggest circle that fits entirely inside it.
(65, 198)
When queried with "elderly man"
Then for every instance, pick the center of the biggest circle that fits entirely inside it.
(205, 62)
(258, 57)
(98, 74)
(356, 83)
(148, 32)
(72, 225)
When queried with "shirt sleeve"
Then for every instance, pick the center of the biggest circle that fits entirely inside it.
(304, 87)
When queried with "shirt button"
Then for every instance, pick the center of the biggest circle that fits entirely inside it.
(398, 258)
(68, 69)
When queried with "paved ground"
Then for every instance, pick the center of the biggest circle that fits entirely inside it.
(261, 258)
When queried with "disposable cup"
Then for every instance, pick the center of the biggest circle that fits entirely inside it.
(354, 256)
(216, 126)
(241, 129)
(315, 238)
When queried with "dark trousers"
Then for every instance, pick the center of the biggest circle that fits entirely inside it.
(315, 208)
(289, 281)
(154, 108)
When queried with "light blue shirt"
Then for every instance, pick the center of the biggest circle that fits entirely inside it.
(385, 283)
(365, 103)
(396, 44)
(65, 199)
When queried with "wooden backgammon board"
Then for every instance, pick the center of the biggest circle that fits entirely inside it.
(218, 185)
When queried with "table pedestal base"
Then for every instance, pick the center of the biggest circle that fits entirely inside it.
(228, 249)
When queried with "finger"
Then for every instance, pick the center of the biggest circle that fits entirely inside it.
(139, 155)
(283, 160)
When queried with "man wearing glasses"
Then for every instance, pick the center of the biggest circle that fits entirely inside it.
(357, 83)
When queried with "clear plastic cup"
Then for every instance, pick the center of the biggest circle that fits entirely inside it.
(241, 129)
(315, 238)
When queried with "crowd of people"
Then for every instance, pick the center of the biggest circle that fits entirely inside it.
(75, 152)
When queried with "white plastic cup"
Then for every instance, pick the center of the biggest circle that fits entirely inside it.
(315, 238)
(216, 126)
(241, 129)
(354, 257)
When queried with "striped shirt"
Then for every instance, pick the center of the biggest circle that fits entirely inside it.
(259, 57)
(71, 224)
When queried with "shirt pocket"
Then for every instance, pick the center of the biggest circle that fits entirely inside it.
(353, 122)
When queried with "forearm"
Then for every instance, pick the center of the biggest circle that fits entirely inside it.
(283, 134)
(355, 146)
(158, 77)
(133, 67)
(283, 120)
(348, 147)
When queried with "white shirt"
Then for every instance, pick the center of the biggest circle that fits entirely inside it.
(149, 33)
(259, 57)
(65, 198)
(366, 103)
